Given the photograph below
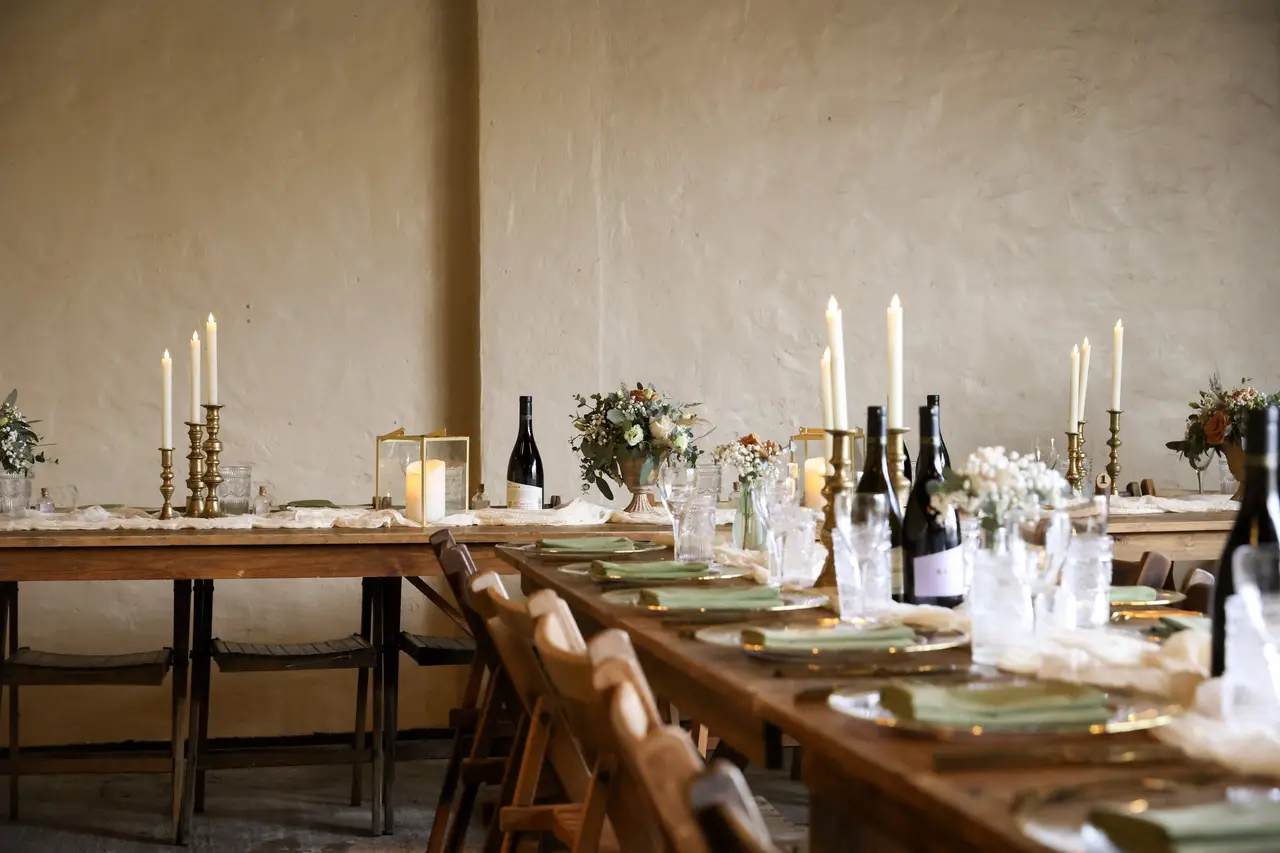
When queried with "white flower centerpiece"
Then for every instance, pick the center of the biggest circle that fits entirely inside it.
(994, 486)
(626, 434)
(19, 453)
(752, 457)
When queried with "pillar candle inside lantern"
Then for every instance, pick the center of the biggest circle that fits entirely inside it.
(434, 492)
(815, 477)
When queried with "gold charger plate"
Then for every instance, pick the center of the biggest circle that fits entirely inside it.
(630, 598)
(1058, 818)
(713, 573)
(534, 549)
(1164, 598)
(1130, 712)
(926, 640)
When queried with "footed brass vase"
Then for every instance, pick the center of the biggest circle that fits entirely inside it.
(641, 492)
(1235, 462)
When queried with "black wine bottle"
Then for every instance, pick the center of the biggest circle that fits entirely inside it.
(934, 402)
(875, 481)
(524, 468)
(1256, 523)
(932, 562)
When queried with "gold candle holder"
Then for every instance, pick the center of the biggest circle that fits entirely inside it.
(212, 476)
(1075, 473)
(195, 471)
(166, 482)
(1083, 454)
(838, 482)
(1113, 467)
(896, 457)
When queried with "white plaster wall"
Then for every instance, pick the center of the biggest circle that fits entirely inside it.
(670, 191)
(290, 167)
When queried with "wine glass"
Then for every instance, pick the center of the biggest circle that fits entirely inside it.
(1046, 451)
(676, 485)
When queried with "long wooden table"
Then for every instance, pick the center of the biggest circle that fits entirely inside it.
(870, 789)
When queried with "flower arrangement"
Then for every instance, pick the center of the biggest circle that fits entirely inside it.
(992, 484)
(18, 440)
(749, 455)
(1218, 419)
(637, 423)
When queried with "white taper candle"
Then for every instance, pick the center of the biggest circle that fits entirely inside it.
(195, 380)
(1117, 358)
(166, 400)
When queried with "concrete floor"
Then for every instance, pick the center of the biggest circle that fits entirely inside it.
(271, 810)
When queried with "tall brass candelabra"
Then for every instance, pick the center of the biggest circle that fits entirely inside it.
(1075, 472)
(1113, 467)
(838, 482)
(195, 471)
(212, 475)
(166, 482)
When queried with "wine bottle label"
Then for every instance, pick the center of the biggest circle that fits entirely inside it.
(940, 575)
(895, 555)
(520, 496)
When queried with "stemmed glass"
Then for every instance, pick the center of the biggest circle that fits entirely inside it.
(786, 541)
(1046, 451)
(860, 542)
(1251, 681)
(676, 484)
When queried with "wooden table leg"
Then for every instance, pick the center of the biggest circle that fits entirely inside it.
(391, 660)
(378, 738)
(177, 721)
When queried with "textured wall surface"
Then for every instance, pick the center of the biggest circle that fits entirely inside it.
(300, 170)
(671, 190)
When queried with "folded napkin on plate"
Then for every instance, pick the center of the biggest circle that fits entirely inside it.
(1173, 624)
(315, 503)
(1135, 594)
(965, 705)
(660, 569)
(738, 598)
(1211, 828)
(836, 639)
(617, 544)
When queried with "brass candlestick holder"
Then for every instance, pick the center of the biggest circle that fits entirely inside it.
(896, 457)
(195, 471)
(838, 482)
(212, 476)
(1084, 471)
(166, 482)
(1113, 467)
(1075, 473)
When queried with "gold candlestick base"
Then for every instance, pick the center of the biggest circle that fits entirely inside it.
(212, 475)
(896, 456)
(195, 471)
(1113, 467)
(1075, 473)
(838, 482)
(166, 482)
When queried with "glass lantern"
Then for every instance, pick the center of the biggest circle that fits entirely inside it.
(425, 475)
(809, 455)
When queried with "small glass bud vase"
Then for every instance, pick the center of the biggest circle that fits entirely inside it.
(262, 502)
(45, 504)
(480, 500)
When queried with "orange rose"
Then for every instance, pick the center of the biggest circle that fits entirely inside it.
(1215, 429)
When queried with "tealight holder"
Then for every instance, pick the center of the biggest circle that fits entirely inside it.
(896, 457)
(212, 475)
(195, 471)
(166, 483)
(838, 482)
(1075, 471)
(1113, 467)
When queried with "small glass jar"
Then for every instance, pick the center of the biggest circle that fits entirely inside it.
(45, 504)
(262, 502)
(480, 500)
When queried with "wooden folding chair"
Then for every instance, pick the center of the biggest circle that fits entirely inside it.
(538, 738)
(1152, 570)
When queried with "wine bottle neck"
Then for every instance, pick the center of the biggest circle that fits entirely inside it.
(1259, 478)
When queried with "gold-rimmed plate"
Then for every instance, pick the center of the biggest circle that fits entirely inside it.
(1164, 598)
(630, 598)
(1127, 712)
(1058, 818)
(710, 574)
(534, 549)
(925, 640)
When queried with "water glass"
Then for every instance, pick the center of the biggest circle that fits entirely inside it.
(15, 493)
(676, 482)
(860, 547)
(65, 497)
(707, 480)
(235, 490)
(1086, 582)
(1089, 516)
(790, 544)
(695, 541)
(999, 599)
(1251, 680)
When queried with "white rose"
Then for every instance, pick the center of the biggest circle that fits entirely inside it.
(662, 427)
(634, 435)
(681, 442)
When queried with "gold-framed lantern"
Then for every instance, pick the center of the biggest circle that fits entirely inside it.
(426, 475)
(810, 457)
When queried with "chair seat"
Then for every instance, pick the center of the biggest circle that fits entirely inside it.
(351, 652)
(438, 651)
(142, 669)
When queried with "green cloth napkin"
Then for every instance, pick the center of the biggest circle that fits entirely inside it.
(590, 543)
(686, 598)
(1034, 703)
(657, 570)
(315, 503)
(1133, 593)
(828, 639)
(1211, 828)
(1174, 624)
